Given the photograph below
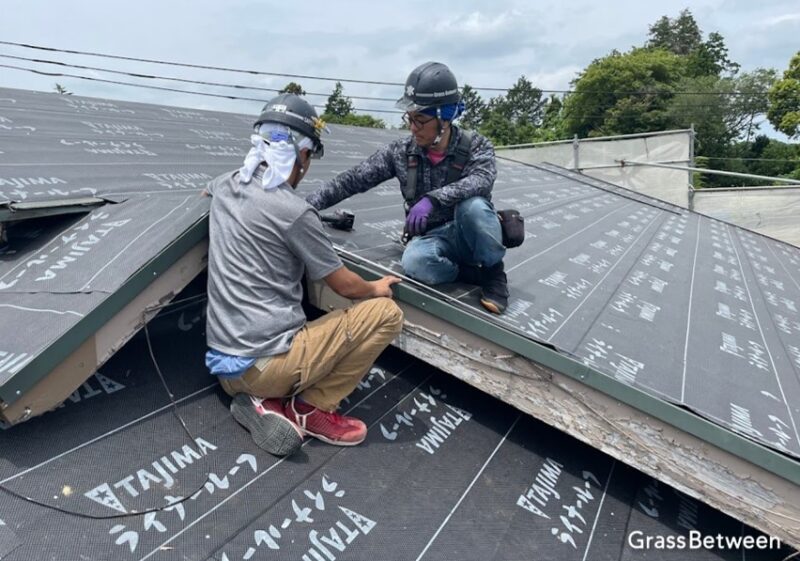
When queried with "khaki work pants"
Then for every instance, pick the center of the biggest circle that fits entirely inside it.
(328, 358)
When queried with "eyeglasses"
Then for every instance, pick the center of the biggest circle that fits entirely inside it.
(409, 120)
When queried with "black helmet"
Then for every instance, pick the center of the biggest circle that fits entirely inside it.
(297, 114)
(429, 85)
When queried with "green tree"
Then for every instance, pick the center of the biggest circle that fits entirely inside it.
(710, 58)
(552, 120)
(475, 108)
(355, 120)
(514, 118)
(722, 111)
(293, 88)
(752, 100)
(502, 132)
(59, 89)
(686, 33)
(771, 157)
(676, 80)
(756, 148)
(660, 35)
(623, 93)
(763, 156)
(521, 105)
(784, 100)
(707, 109)
(680, 36)
(338, 104)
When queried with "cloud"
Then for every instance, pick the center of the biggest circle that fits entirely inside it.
(476, 24)
(480, 38)
(548, 41)
(556, 80)
(781, 19)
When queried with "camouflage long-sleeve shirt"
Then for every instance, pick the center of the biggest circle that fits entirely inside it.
(477, 178)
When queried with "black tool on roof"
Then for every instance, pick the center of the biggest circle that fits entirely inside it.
(340, 220)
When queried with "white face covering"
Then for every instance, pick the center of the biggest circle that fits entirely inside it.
(273, 145)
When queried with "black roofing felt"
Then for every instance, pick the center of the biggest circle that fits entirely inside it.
(445, 473)
(686, 308)
(148, 162)
(689, 309)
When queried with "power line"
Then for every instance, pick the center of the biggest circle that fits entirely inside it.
(645, 92)
(65, 75)
(261, 100)
(234, 86)
(201, 66)
(223, 85)
(184, 80)
(795, 161)
(675, 110)
(344, 80)
(233, 97)
(57, 74)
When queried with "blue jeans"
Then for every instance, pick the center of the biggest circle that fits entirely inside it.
(473, 237)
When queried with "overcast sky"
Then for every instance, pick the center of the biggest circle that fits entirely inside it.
(487, 44)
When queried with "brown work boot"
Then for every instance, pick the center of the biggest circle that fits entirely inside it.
(332, 428)
(267, 423)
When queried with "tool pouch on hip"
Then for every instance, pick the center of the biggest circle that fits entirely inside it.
(513, 227)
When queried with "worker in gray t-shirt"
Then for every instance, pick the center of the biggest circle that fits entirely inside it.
(287, 376)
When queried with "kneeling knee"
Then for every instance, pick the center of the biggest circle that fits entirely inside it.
(392, 315)
(473, 207)
(429, 269)
(414, 266)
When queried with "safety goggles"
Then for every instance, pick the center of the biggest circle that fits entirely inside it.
(317, 151)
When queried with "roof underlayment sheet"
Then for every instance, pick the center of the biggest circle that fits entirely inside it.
(689, 309)
(446, 473)
(677, 306)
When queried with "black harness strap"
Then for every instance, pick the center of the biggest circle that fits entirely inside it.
(461, 158)
(409, 190)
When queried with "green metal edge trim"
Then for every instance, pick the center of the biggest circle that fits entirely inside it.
(683, 419)
(53, 355)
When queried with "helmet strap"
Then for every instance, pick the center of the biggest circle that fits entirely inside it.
(300, 170)
(440, 123)
(297, 156)
(296, 151)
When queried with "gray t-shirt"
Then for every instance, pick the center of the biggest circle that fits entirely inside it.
(261, 241)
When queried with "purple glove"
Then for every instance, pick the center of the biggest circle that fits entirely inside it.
(417, 219)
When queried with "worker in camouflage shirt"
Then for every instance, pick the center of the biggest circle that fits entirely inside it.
(454, 230)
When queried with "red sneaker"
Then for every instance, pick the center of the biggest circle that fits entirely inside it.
(332, 428)
(267, 423)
